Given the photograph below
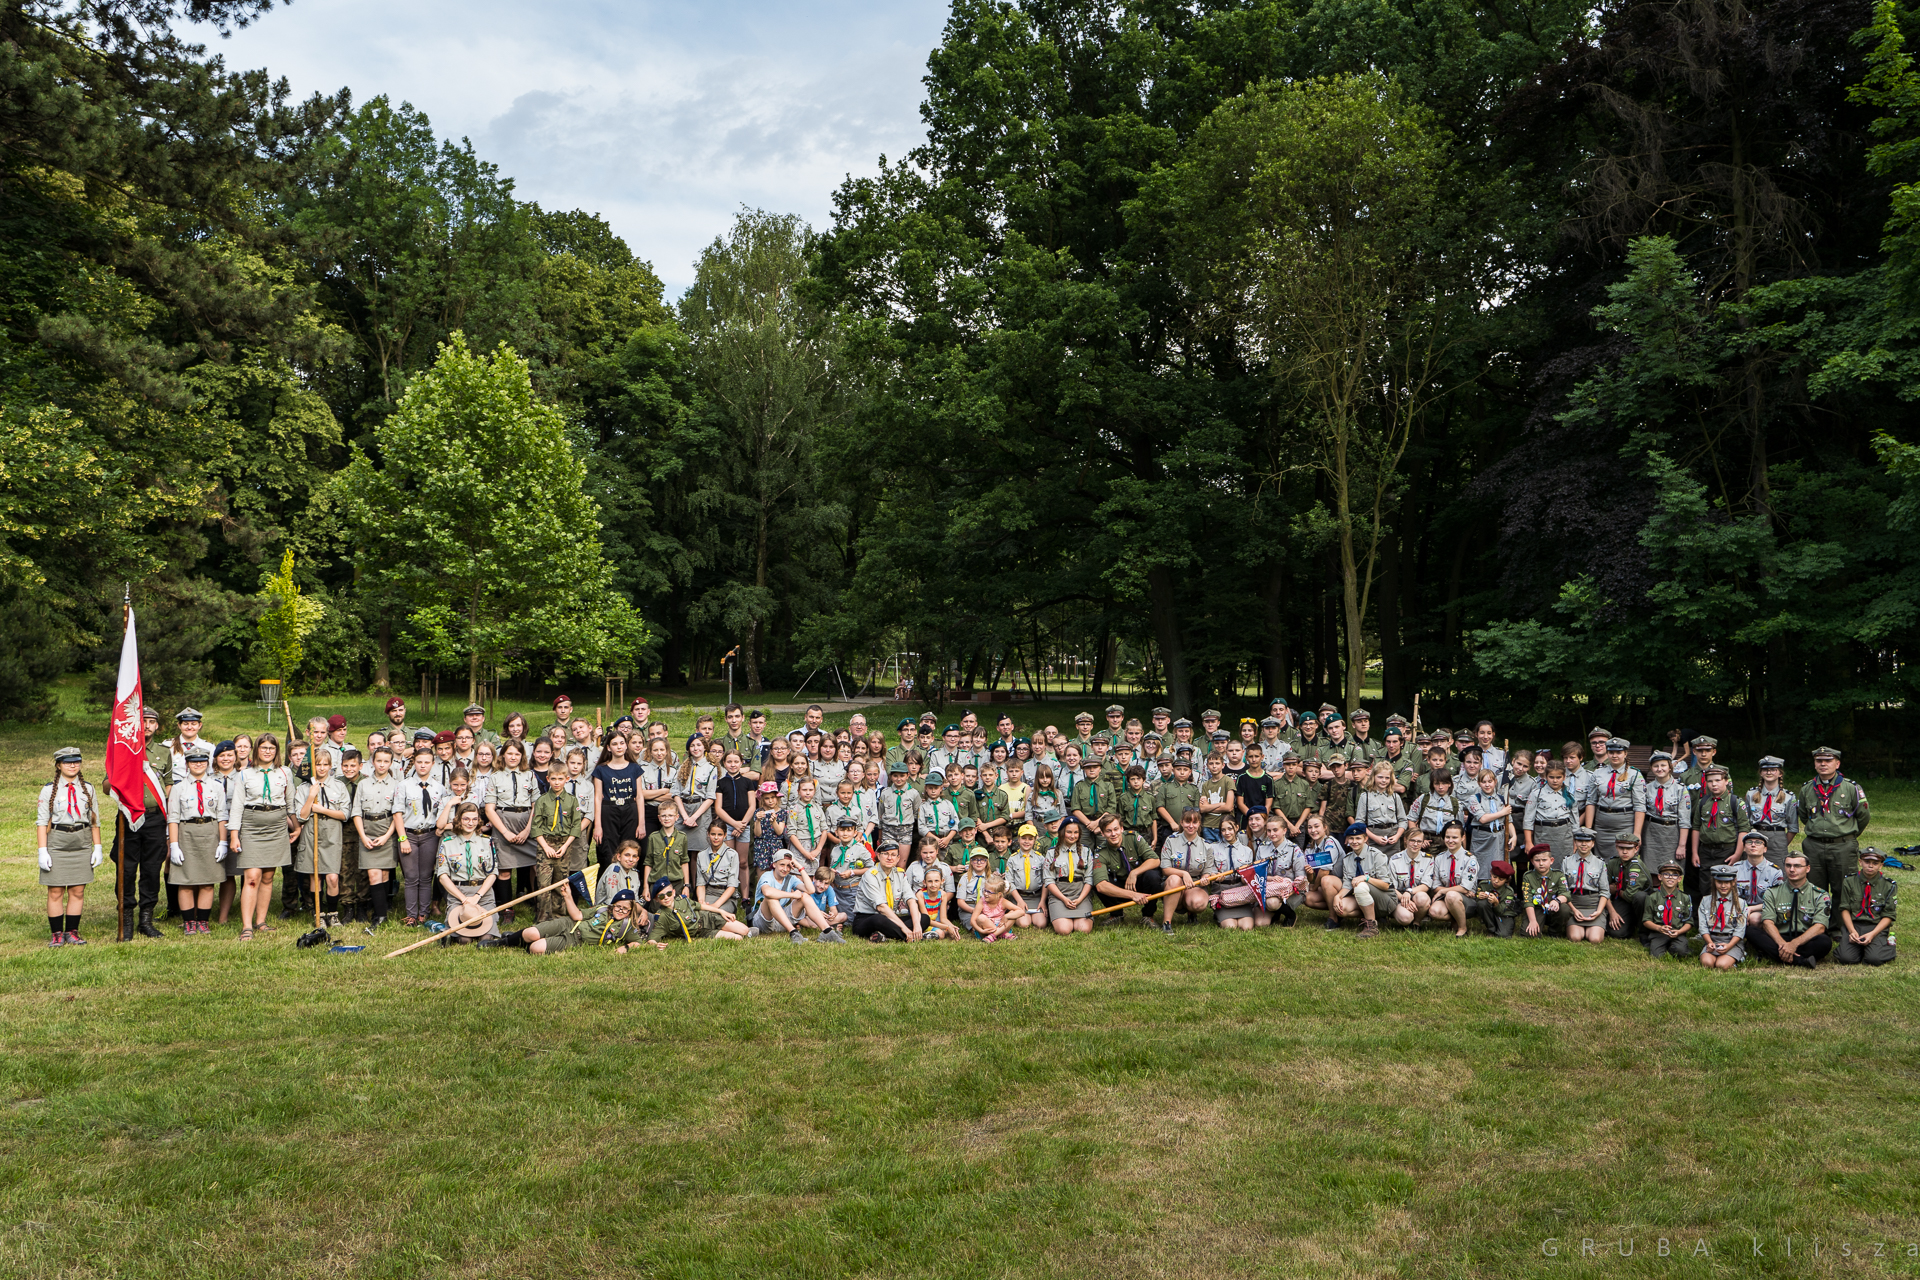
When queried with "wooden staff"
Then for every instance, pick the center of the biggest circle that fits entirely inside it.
(464, 924)
(1122, 906)
(286, 705)
(1416, 714)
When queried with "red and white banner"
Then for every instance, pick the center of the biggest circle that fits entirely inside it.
(129, 776)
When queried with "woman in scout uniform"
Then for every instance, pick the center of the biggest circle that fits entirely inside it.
(1723, 921)
(1667, 915)
(1669, 813)
(1323, 854)
(828, 767)
(1550, 813)
(676, 920)
(320, 807)
(197, 839)
(1587, 889)
(67, 824)
(1026, 872)
(1286, 867)
(1456, 874)
(1492, 815)
(512, 790)
(1381, 809)
(259, 843)
(880, 899)
(1185, 860)
(716, 879)
(697, 788)
(1773, 810)
(464, 866)
(375, 801)
(618, 923)
(1543, 893)
(1072, 871)
(1236, 904)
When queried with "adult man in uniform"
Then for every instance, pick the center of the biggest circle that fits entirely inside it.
(1833, 817)
(907, 747)
(1617, 797)
(1867, 908)
(1773, 810)
(1116, 730)
(398, 732)
(1362, 725)
(1793, 919)
(475, 718)
(1692, 770)
(145, 851)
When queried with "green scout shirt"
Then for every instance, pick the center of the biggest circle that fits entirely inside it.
(1338, 797)
(1869, 898)
(1293, 797)
(1139, 810)
(1121, 859)
(667, 856)
(683, 922)
(1841, 814)
(1319, 750)
(1720, 821)
(1509, 897)
(1537, 889)
(1096, 799)
(556, 818)
(603, 930)
(1674, 909)
(1626, 876)
(1794, 911)
(1176, 798)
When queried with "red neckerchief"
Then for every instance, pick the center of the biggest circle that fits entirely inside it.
(73, 801)
(1753, 881)
(1666, 911)
(1825, 792)
(1719, 912)
(200, 796)
(1660, 799)
(1866, 896)
(1713, 813)
(1766, 806)
(1580, 869)
(1612, 778)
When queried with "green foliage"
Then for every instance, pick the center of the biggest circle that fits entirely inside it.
(476, 514)
(286, 619)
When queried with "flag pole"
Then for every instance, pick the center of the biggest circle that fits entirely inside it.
(120, 822)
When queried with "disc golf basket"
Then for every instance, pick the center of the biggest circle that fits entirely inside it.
(269, 700)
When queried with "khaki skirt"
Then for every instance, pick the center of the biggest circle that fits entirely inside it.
(198, 842)
(378, 852)
(325, 834)
(1056, 910)
(1662, 844)
(72, 856)
(512, 855)
(263, 840)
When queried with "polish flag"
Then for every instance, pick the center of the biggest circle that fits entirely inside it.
(129, 776)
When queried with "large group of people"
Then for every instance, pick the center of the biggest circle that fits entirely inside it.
(631, 835)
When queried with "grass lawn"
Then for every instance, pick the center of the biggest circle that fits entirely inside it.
(1282, 1103)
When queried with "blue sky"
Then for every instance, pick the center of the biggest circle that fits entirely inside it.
(663, 118)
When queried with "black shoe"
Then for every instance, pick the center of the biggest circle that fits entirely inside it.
(490, 942)
(145, 927)
(1167, 928)
(126, 929)
(1333, 922)
(287, 910)
(1288, 917)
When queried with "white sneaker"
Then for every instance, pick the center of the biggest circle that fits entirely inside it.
(831, 935)
(753, 931)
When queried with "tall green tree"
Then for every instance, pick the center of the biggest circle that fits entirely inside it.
(477, 515)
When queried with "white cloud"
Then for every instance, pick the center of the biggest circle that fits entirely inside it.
(664, 119)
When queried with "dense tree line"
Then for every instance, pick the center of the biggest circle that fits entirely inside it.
(1542, 358)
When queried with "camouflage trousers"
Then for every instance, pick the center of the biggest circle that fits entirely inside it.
(547, 871)
(353, 885)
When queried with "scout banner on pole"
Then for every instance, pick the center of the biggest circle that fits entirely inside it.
(129, 776)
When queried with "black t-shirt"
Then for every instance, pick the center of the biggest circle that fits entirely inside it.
(734, 793)
(618, 785)
(1256, 792)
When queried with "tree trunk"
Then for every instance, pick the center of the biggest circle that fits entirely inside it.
(382, 673)
(1102, 658)
(1388, 615)
(1166, 630)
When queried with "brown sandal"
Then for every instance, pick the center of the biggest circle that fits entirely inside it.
(246, 935)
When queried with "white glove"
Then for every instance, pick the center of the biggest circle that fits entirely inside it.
(96, 857)
(220, 852)
(178, 858)
(46, 859)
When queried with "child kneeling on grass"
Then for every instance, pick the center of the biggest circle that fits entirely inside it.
(1496, 901)
(613, 924)
(1544, 893)
(1667, 915)
(1723, 921)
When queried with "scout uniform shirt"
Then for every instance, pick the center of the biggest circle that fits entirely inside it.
(1119, 860)
(1869, 899)
(1455, 870)
(1095, 799)
(418, 803)
(1027, 874)
(1292, 797)
(1191, 856)
(615, 878)
(1433, 811)
(190, 800)
(512, 792)
(1138, 810)
(602, 929)
(1617, 791)
(859, 809)
(1669, 803)
(879, 887)
(1073, 865)
(1674, 910)
(967, 889)
(1719, 820)
(1177, 797)
(1775, 809)
(1536, 890)
(1585, 875)
(1753, 881)
(1836, 812)
(1625, 877)
(1721, 917)
(1794, 911)
(464, 859)
(808, 822)
(850, 864)
(680, 921)
(556, 818)
(718, 869)
(666, 855)
(1506, 903)
(899, 809)
(73, 803)
(942, 816)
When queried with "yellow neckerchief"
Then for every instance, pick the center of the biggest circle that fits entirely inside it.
(557, 822)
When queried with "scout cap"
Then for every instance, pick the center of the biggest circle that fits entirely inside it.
(396, 704)
(1209, 713)
(1163, 711)
(978, 855)
(225, 744)
(1329, 717)
(1704, 741)
(1618, 744)
(148, 713)
(887, 846)
(1755, 837)
(898, 766)
(846, 820)
(1598, 732)
(1027, 829)
(1539, 848)
(658, 887)
(952, 728)
(1091, 762)
(1722, 871)
(1669, 868)
(1354, 829)
(445, 735)
(1183, 723)
(1719, 769)
(1660, 755)
(475, 709)
(1627, 841)
(1116, 710)
(1871, 854)
(906, 722)
(625, 895)
(1218, 735)
(1503, 869)
(936, 779)
(1270, 722)
(1825, 753)
(185, 714)
(198, 751)
(65, 754)
(335, 721)
(1085, 717)
(1772, 762)
(967, 822)
(1361, 713)
(1583, 833)
(423, 735)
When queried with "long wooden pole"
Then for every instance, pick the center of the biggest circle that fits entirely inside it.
(1122, 906)
(286, 705)
(413, 946)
